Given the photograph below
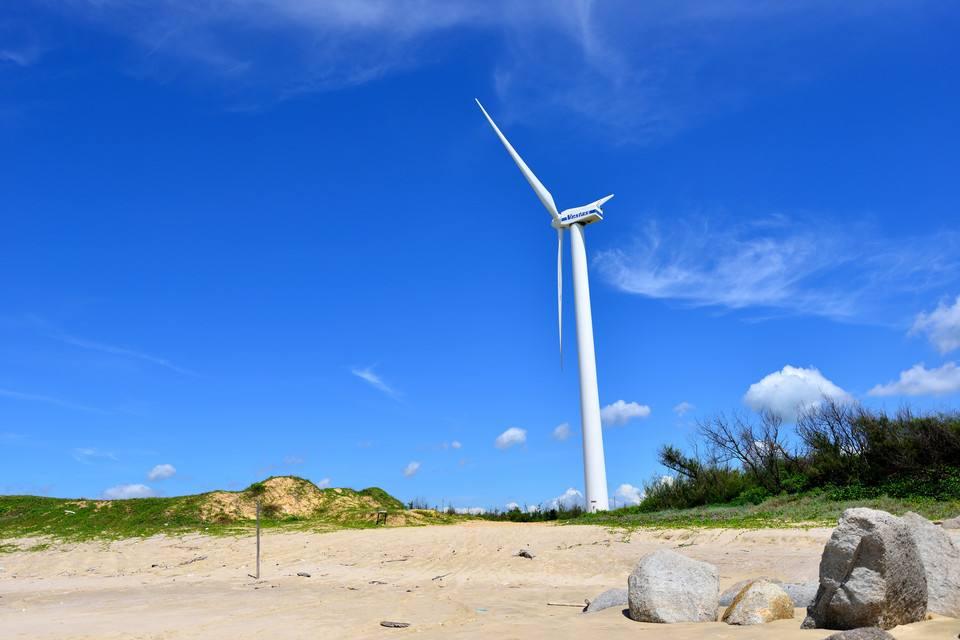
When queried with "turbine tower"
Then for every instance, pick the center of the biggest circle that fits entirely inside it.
(594, 467)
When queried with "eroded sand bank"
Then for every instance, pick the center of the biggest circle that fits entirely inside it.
(197, 586)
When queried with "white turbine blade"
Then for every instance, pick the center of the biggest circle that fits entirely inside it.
(538, 187)
(560, 291)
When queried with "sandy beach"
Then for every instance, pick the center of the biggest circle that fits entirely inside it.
(460, 581)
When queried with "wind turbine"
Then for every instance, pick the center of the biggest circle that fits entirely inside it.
(594, 467)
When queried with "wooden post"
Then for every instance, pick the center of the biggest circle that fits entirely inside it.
(258, 539)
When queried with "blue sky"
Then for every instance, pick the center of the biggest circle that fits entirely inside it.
(245, 238)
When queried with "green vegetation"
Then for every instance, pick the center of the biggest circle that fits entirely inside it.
(812, 509)
(287, 502)
(744, 473)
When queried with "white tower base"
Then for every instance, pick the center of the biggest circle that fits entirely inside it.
(594, 467)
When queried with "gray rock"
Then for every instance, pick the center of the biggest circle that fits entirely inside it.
(526, 553)
(941, 563)
(759, 602)
(871, 575)
(607, 599)
(303, 574)
(726, 598)
(952, 523)
(394, 625)
(863, 633)
(668, 587)
(802, 593)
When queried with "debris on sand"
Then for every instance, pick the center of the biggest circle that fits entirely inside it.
(526, 553)
(394, 625)
(303, 574)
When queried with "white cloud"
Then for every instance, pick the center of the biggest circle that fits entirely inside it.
(89, 455)
(375, 381)
(942, 326)
(324, 483)
(473, 511)
(783, 265)
(162, 472)
(510, 506)
(792, 390)
(567, 500)
(411, 469)
(629, 494)
(455, 444)
(683, 408)
(562, 432)
(127, 491)
(510, 437)
(621, 412)
(920, 381)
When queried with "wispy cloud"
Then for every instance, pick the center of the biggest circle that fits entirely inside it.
(777, 263)
(31, 397)
(124, 353)
(683, 408)
(920, 381)
(89, 455)
(561, 432)
(411, 469)
(20, 57)
(645, 59)
(374, 380)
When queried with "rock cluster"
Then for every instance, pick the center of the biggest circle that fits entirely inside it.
(877, 571)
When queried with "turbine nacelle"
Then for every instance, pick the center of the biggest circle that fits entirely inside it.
(587, 214)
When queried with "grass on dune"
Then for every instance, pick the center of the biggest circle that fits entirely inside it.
(302, 506)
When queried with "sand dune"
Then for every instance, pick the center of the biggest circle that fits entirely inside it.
(460, 581)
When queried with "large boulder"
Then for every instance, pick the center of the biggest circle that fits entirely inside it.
(757, 603)
(668, 587)
(871, 575)
(863, 633)
(607, 599)
(941, 563)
